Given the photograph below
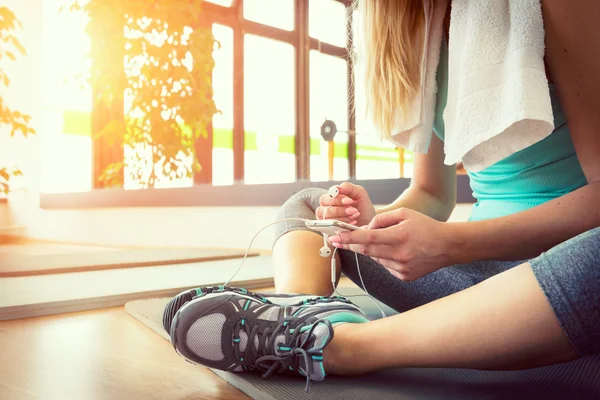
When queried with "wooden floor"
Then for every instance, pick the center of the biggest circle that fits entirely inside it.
(103, 354)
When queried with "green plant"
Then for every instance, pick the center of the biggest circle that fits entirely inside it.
(151, 65)
(16, 121)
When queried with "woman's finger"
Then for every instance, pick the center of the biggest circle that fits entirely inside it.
(392, 267)
(336, 213)
(354, 216)
(339, 200)
(390, 218)
(381, 251)
(365, 237)
(351, 190)
(388, 264)
(396, 274)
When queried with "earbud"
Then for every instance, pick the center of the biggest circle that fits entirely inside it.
(325, 251)
(333, 191)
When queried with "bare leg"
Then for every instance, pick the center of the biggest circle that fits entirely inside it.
(298, 266)
(504, 322)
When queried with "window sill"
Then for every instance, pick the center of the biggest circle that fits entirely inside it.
(382, 192)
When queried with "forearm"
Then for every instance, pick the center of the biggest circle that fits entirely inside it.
(422, 201)
(528, 233)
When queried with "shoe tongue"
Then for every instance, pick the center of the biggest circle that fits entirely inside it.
(244, 341)
(318, 338)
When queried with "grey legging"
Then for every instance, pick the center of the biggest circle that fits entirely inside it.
(569, 275)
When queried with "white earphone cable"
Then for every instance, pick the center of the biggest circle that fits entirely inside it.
(325, 212)
(362, 282)
(333, 272)
(254, 238)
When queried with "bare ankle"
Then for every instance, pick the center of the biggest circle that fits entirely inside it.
(303, 289)
(339, 351)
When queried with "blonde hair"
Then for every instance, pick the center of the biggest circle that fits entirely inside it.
(392, 47)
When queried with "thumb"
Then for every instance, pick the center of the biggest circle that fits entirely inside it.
(355, 192)
(390, 218)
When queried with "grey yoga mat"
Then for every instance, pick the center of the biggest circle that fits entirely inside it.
(579, 379)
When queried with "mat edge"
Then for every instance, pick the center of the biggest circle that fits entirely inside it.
(242, 385)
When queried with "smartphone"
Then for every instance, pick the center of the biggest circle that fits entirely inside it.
(330, 227)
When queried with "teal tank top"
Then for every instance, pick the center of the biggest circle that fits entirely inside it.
(543, 171)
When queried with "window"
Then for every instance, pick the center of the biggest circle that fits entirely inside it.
(269, 117)
(143, 166)
(67, 148)
(222, 153)
(267, 130)
(328, 100)
(276, 13)
(328, 22)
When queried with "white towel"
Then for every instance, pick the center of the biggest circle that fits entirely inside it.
(498, 95)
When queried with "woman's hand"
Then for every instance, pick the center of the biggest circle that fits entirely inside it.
(351, 205)
(406, 242)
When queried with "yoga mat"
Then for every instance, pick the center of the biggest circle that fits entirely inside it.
(579, 379)
(90, 259)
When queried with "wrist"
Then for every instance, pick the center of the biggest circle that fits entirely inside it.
(459, 243)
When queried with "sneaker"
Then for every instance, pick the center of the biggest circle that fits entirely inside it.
(182, 298)
(237, 332)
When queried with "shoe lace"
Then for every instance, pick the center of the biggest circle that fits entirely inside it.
(295, 348)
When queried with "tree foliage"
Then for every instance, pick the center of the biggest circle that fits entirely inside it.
(151, 60)
(15, 121)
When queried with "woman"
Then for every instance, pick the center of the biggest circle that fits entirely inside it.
(537, 214)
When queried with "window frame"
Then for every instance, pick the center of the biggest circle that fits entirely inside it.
(203, 193)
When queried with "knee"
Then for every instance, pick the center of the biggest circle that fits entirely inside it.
(594, 234)
(581, 253)
(590, 244)
(310, 196)
(302, 204)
